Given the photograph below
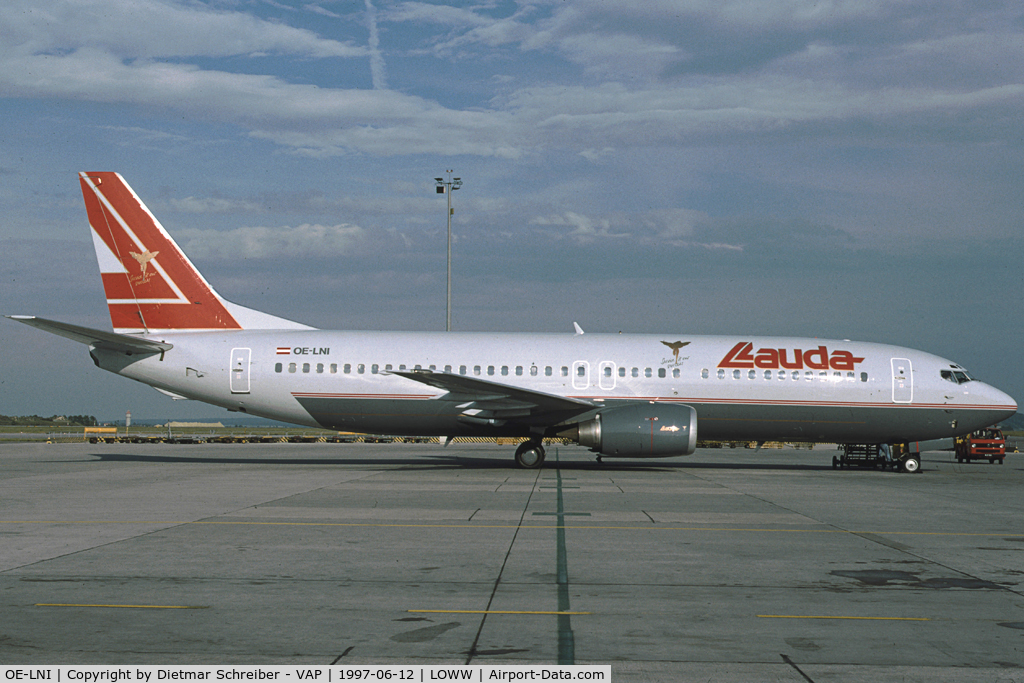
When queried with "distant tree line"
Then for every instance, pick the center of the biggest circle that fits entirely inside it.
(53, 420)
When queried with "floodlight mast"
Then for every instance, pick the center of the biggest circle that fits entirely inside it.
(447, 187)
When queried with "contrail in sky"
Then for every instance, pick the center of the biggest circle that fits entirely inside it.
(377, 70)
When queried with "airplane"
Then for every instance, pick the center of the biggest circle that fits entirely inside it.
(620, 395)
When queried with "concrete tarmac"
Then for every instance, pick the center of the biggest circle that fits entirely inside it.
(729, 565)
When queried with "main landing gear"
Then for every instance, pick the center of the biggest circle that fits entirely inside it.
(530, 455)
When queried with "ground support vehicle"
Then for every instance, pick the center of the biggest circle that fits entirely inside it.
(984, 444)
(874, 455)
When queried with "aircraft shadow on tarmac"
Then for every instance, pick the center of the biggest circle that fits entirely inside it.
(446, 461)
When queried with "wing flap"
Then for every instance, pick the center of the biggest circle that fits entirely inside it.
(484, 401)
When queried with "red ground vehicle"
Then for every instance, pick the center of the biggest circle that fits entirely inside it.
(984, 444)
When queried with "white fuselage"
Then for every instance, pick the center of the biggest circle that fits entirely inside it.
(742, 388)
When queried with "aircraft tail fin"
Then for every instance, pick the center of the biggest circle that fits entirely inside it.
(151, 286)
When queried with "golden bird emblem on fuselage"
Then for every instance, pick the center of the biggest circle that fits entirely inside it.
(675, 346)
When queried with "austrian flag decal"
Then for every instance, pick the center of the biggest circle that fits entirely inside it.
(743, 356)
(284, 350)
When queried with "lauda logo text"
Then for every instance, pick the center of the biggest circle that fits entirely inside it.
(743, 356)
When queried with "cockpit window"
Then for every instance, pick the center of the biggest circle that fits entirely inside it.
(956, 376)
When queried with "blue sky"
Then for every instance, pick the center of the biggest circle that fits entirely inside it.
(830, 169)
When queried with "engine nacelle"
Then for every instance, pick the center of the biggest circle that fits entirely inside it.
(641, 430)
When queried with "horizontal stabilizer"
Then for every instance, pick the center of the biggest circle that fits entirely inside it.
(95, 338)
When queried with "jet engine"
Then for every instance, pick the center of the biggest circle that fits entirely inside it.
(641, 430)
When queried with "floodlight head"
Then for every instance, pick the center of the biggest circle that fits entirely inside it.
(440, 180)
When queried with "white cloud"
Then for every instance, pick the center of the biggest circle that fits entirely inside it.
(211, 205)
(71, 50)
(584, 228)
(146, 29)
(301, 241)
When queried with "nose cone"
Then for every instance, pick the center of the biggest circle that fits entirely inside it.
(999, 404)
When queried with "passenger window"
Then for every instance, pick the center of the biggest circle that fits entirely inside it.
(796, 374)
(476, 370)
(334, 368)
(849, 376)
(348, 368)
(374, 368)
(504, 370)
(361, 368)
(417, 367)
(767, 374)
(519, 371)
(622, 371)
(388, 367)
(635, 372)
(661, 372)
(490, 370)
(320, 368)
(808, 375)
(401, 368)
(278, 367)
(565, 371)
(782, 374)
(735, 374)
(447, 368)
(647, 372)
(291, 367)
(863, 377)
(675, 372)
(462, 369)
(721, 373)
(432, 367)
(533, 371)
(704, 373)
(751, 374)
(547, 370)
(305, 367)
(607, 371)
(581, 371)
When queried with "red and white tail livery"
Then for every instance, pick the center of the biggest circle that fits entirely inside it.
(151, 286)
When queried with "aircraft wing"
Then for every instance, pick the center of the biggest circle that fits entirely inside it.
(95, 338)
(485, 402)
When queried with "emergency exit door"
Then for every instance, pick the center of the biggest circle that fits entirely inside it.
(902, 381)
(240, 370)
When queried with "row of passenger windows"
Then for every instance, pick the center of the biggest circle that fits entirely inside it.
(581, 371)
(783, 374)
(478, 370)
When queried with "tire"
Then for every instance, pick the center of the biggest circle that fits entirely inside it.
(530, 455)
(911, 464)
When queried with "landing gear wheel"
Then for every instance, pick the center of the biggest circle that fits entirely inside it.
(530, 455)
(911, 464)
